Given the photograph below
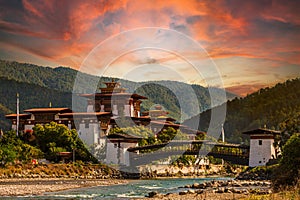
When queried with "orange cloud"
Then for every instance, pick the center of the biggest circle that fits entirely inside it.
(66, 31)
(243, 90)
(216, 24)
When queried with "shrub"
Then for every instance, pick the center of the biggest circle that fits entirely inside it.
(288, 171)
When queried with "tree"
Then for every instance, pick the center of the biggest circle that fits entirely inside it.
(29, 152)
(53, 138)
(13, 148)
(291, 154)
(288, 169)
(7, 154)
(289, 127)
(139, 131)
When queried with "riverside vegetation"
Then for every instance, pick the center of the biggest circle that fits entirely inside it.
(276, 107)
(279, 181)
(254, 182)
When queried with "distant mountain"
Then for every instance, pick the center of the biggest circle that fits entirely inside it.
(3, 122)
(277, 108)
(39, 85)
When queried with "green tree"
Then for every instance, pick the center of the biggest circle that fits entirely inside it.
(168, 134)
(53, 138)
(288, 169)
(291, 154)
(28, 152)
(139, 131)
(289, 127)
(13, 148)
(7, 154)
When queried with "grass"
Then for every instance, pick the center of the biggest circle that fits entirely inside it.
(58, 170)
(287, 194)
(266, 169)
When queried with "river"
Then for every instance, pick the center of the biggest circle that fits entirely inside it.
(135, 188)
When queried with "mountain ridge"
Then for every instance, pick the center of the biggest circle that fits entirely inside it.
(60, 83)
(269, 107)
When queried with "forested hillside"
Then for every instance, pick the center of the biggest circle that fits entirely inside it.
(30, 96)
(39, 85)
(277, 108)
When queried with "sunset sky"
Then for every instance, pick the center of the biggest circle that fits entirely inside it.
(254, 43)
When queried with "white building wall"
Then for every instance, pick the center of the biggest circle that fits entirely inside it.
(56, 117)
(102, 108)
(112, 153)
(115, 110)
(261, 154)
(89, 135)
(102, 142)
(90, 108)
(127, 110)
(14, 127)
(132, 111)
(28, 127)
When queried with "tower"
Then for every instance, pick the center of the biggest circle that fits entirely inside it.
(261, 146)
(114, 99)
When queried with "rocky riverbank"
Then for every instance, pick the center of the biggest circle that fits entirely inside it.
(28, 179)
(231, 189)
(38, 186)
(253, 181)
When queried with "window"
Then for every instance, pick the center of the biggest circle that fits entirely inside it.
(87, 125)
(259, 161)
(259, 142)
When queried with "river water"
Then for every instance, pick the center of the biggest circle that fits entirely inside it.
(135, 188)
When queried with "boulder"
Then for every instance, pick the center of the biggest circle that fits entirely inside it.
(183, 192)
(220, 190)
(208, 184)
(199, 191)
(196, 185)
(152, 194)
(191, 191)
(245, 191)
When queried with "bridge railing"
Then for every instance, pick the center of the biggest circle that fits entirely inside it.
(193, 148)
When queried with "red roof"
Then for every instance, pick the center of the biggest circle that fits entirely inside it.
(262, 131)
(22, 116)
(121, 136)
(51, 110)
(136, 96)
(167, 123)
(85, 114)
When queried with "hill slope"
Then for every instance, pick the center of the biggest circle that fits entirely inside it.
(30, 96)
(271, 107)
(61, 81)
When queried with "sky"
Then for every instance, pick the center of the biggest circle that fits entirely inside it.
(246, 44)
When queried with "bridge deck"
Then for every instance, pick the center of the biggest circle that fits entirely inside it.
(234, 153)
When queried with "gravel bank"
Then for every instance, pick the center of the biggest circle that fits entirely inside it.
(38, 186)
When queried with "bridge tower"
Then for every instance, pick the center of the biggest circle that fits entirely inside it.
(261, 146)
(116, 148)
